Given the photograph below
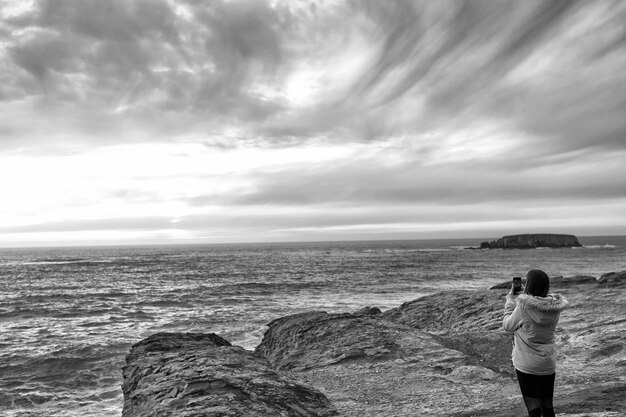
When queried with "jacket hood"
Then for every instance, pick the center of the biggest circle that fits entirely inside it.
(551, 304)
(543, 310)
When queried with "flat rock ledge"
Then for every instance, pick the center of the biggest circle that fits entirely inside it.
(440, 355)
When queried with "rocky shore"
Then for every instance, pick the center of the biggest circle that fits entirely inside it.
(440, 355)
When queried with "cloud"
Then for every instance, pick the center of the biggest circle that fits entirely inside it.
(362, 70)
(74, 49)
(519, 62)
(130, 223)
(365, 184)
(137, 62)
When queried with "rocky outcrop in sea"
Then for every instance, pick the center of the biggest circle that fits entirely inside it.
(441, 355)
(533, 241)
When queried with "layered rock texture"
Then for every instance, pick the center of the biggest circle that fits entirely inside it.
(180, 374)
(440, 355)
(532, 241)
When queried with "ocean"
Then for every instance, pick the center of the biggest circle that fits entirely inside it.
(68, 316)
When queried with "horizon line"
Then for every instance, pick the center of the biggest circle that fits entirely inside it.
(286, 242)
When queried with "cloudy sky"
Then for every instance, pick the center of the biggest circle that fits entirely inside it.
(189, 121)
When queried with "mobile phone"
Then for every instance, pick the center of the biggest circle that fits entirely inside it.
(517, 284)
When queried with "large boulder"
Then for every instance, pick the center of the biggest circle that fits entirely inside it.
(318, 339)
(369, 365)
(466, 321)
(613, 279)
(451, 311)
(532, 241)
(193, 374)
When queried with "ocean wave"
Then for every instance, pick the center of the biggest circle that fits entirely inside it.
(86, 262)
(50, 372)
(165, 303)
(607, 246)
(138, 314)
(265, 288)
(111, 294)
(80, 312)
(25, 313)
(61, 386)
(94, 324)
(418, 250)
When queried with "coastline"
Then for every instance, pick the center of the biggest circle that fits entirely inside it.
(442, 354)
(72, 315)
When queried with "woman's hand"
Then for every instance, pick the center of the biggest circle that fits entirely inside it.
(511, 294)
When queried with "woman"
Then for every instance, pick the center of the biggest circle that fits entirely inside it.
(533, 316)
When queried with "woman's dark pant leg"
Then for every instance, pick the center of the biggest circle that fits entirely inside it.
(537, 391)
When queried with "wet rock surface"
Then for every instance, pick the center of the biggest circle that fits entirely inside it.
(441, 355)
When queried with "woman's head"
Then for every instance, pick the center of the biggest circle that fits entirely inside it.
(537, 283)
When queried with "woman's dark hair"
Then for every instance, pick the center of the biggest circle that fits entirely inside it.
(537, 283)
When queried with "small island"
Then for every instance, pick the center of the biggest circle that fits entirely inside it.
(533, 241)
